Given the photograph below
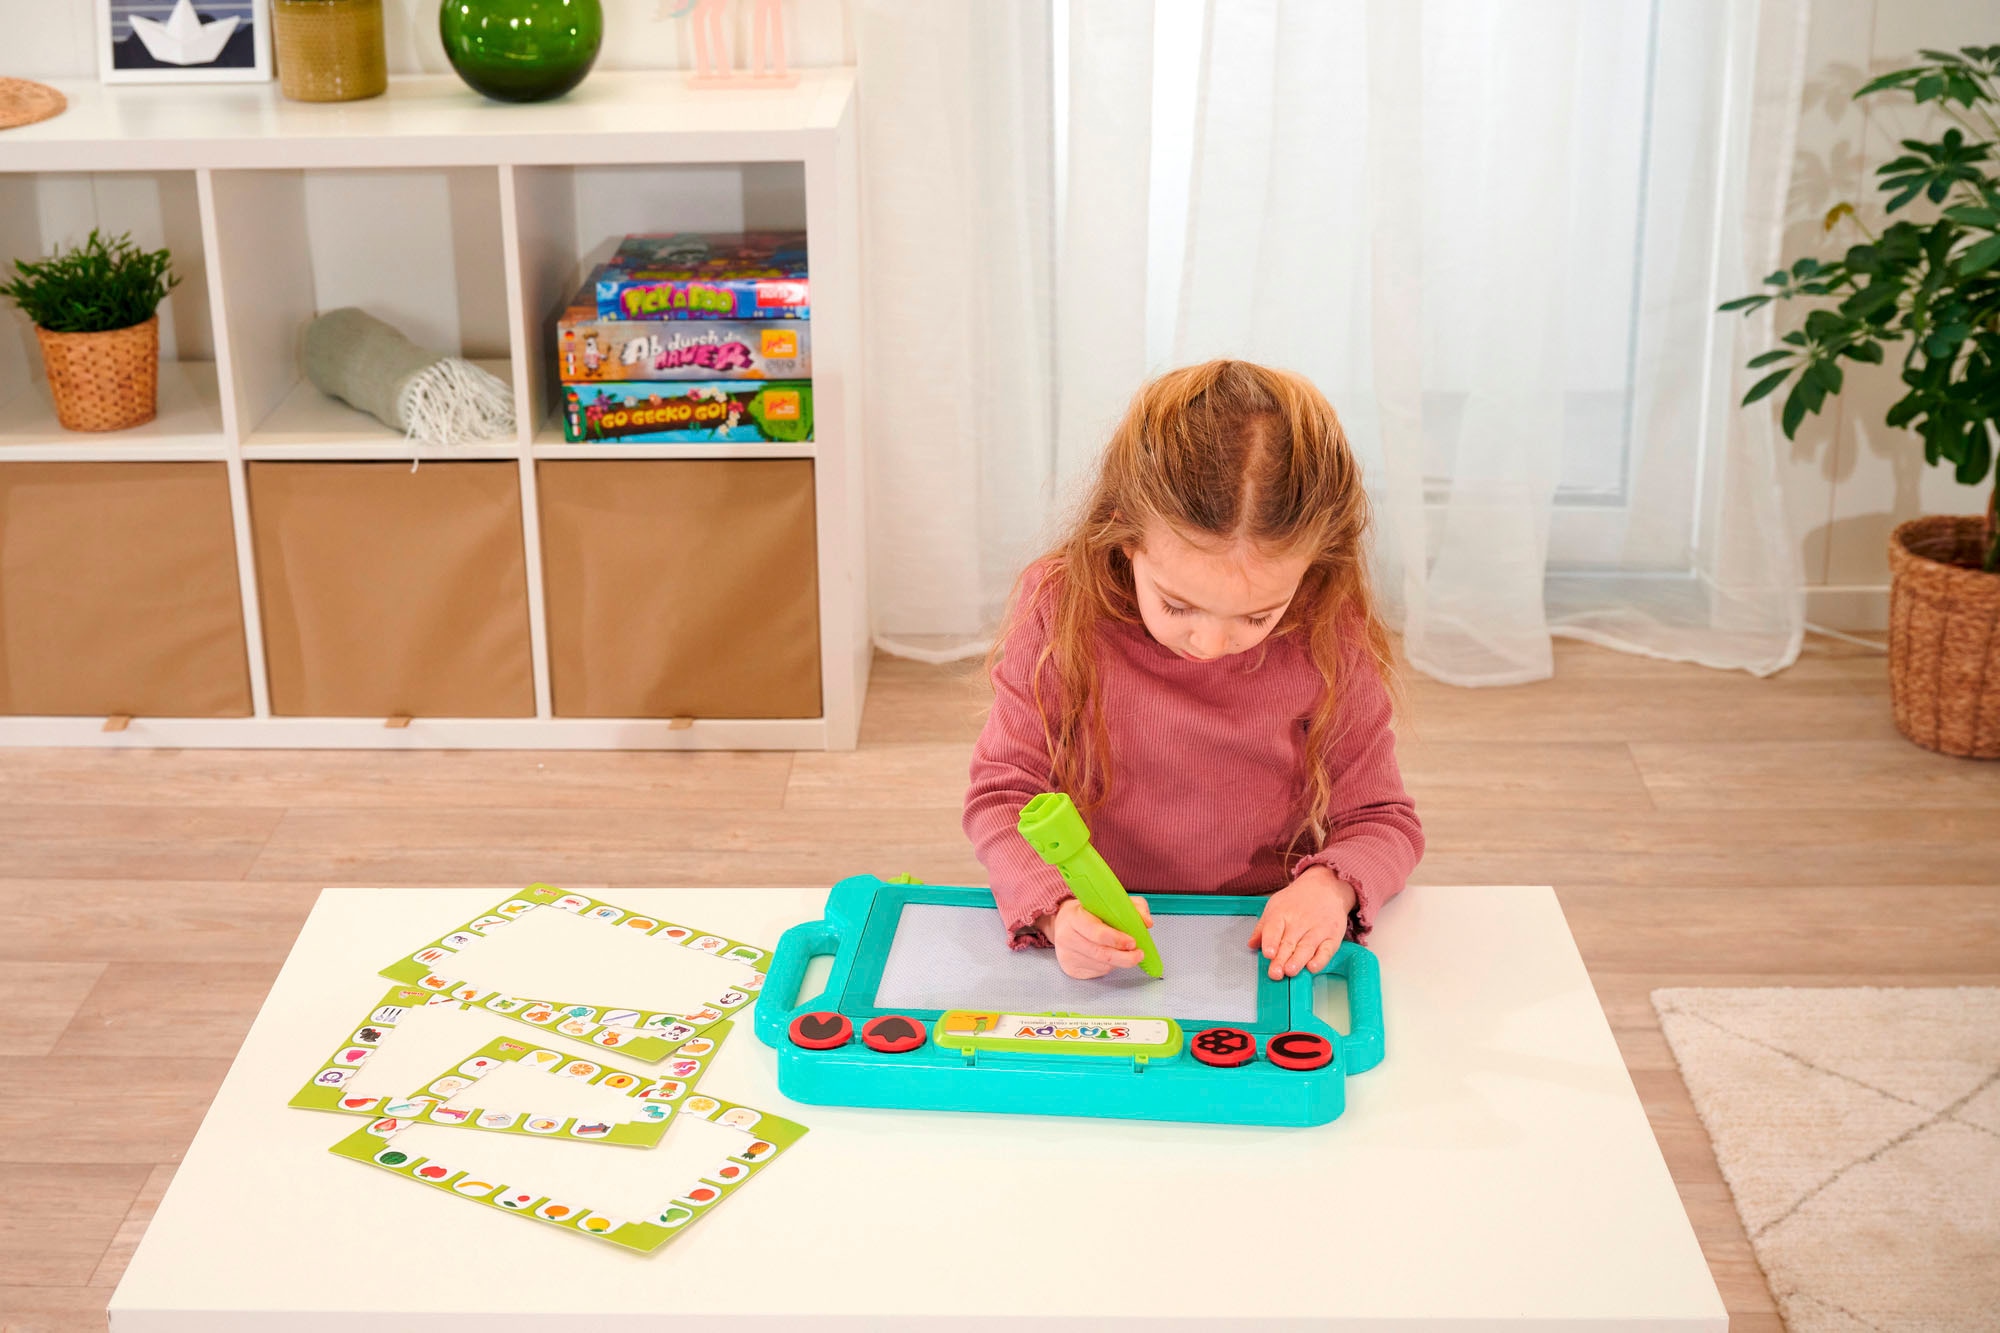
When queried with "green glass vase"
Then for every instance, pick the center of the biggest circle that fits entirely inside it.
(522, 50)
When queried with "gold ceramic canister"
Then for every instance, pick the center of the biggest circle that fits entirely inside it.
(330, 50)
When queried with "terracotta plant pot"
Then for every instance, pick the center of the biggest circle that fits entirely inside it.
(1944, 637)
(104, 381)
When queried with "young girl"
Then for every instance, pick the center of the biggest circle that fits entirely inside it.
(1200, 666)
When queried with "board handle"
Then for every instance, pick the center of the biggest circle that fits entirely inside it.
(1361, 1047)
(797, 947)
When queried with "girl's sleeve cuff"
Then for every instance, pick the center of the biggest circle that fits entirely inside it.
(1361, 917)
(1022, 933)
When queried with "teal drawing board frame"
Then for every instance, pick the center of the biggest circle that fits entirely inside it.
(858, 931)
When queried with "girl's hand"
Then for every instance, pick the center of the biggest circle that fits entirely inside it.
(1304, 922)
(1085, 946)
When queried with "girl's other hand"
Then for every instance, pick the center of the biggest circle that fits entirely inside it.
(1304, 922)
(1085, 946)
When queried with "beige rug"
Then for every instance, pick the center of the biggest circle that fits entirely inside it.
(1859, 1130)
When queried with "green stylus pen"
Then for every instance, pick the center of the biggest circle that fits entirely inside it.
(1056, 831)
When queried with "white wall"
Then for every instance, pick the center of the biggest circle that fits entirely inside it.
(1850, 479)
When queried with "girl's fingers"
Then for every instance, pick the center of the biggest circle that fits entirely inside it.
(1324, 954)
(1104, 957)
(1278, 936)
(1145, 912)
(1090, 928)
(1083, 960)
(1277, 944)
(1115, 958)
(1257, 933)
(1083, 969)
(1300, 953)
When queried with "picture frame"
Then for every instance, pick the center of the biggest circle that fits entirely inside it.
(183, 41)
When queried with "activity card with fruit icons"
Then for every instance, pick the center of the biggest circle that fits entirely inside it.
(544, 941)
(511, 1086)
(638, 1202)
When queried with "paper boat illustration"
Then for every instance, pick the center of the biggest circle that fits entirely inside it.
(184, 39)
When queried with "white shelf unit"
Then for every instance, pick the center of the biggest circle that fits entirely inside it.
(468, 224)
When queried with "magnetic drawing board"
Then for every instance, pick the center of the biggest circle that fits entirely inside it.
(925, 1007)
(638, 1201)
(924, 948)
(544, 942)
(945, 956)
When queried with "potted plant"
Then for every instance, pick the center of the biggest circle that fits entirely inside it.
(1932, 290)
(96, 314)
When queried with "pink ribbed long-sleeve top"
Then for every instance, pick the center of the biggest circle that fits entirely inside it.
(1206, 759)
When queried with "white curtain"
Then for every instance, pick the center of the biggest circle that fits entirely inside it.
(1493, 231)
(957, 212)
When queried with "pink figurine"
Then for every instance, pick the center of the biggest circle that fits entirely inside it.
(713, 67)
(768, 70)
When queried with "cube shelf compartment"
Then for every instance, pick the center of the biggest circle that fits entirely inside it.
(392, 593)
(468, 225)
(121, 591)
(158, 209)
(680, 588)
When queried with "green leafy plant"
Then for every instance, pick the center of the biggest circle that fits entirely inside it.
(1933, 288)
(96, 287)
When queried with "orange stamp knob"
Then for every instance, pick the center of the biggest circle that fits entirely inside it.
(821, 1031)
(1299, 1050)
(1225, 1048)
(892, 1034)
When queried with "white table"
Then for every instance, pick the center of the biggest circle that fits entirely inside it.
(1495, 1172)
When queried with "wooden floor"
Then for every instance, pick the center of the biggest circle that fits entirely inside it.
(1703, 828)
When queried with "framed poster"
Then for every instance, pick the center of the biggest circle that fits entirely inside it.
(183, 41)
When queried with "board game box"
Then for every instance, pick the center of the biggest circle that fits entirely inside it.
(684, 413)
(595, 351)
(706, 275)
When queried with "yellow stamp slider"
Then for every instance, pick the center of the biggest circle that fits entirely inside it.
(1058, 1034)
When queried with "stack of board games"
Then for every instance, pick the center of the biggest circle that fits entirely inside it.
(690, 338)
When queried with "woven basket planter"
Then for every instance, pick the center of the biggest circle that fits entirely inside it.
(104, 381)
(1944, 637)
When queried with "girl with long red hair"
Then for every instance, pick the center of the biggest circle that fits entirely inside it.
(1200, 665)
